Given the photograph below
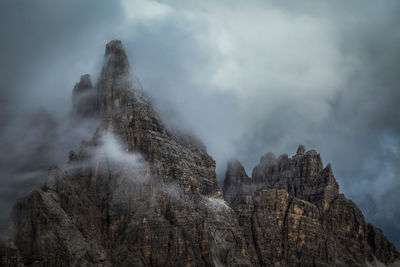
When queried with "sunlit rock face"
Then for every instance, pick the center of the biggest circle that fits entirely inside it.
(140, 194)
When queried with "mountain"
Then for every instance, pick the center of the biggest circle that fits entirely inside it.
(294, 215)
(141, 194)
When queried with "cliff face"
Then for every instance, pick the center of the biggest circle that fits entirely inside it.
(293, 215)
(139, 194)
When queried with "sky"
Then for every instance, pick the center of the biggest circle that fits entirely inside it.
(247, 77)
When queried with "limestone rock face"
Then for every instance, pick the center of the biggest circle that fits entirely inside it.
(293, 215)
(140, 194)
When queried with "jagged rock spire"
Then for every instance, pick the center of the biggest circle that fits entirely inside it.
(126, 113)
(84, 84)
(116, 57)
(114, 78)
(301, 150)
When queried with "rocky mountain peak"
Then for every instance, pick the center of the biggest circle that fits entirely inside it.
(114, 78)
(84, 84)
(301, 150)
(302, 175)
(293, 204)
(114, 47)
(127, 113)
(136, 194)
(116, 59)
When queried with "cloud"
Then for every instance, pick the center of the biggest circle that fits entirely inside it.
(31, 145)
(144, 10)
(130, 166)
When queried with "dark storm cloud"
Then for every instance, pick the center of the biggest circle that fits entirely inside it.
(247, 77)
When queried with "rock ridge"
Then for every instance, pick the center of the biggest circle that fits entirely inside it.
(295, 215)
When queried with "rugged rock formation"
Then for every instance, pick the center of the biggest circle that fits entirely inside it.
(293, 215)
(128, 114)
(136, 194)
(139, 194)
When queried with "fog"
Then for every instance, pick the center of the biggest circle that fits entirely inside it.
(247, 77)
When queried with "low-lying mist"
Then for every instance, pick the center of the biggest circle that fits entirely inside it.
(31, 145)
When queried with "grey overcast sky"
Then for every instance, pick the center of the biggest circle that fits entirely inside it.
(247, 77)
